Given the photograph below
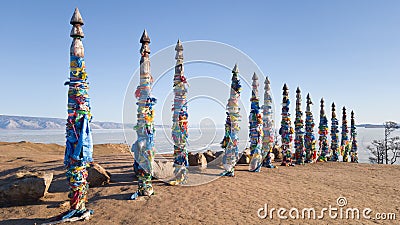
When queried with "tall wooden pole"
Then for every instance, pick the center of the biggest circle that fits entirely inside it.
(79, 146)
(323, 134)
(299, 131)
(344, 143)
(255, 128)
(309, 138)
(334, 135)
(353, 133)
(268, 125)
(231, 138)
(179, 119)
(143, 148)
(286, 130)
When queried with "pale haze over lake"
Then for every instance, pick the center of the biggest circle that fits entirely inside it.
(199, 140)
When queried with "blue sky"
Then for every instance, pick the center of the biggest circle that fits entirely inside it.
(345, 51)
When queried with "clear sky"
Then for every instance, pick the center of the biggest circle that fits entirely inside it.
(347, 51)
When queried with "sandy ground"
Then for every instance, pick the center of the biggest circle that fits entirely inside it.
(220, 201)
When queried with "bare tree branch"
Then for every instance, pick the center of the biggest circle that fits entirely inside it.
(388, 147)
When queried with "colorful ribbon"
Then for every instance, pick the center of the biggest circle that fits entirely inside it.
(77, 175)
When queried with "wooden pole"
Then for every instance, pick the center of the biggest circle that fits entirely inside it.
(353, 136)
(334, 135)
(309, 138)
(286, 131)
(143, 148)
(299, 131)
(79, 145)
(344, 143)
(268, 125)
(255, 128)
(232, 128)
(323, 135)
(179, 119)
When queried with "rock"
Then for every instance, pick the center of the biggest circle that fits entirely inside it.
(65, 204)
(163, 169)
(245, 158)
(209, 156)
(218, 159)
(217, 154)
(98, 176)
(197, 159)
(272, 157)
(277, 153)
(25, 187)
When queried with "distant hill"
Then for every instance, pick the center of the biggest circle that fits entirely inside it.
(40, 123)
(8, 122)
(371, 125)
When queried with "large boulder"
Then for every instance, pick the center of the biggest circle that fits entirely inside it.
(272, 157)
(98, 176)
(209, 156)
(25, 187)
(197, 159)
(219, 153)
(163, 169)
(218, 159)
(245, 158)
(277, 153)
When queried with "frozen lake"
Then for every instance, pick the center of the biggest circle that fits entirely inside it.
(199, 139)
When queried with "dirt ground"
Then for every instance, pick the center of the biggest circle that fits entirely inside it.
(212, 200)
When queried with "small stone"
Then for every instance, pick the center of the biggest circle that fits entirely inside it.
(217, 154)
(25, 187)
(98, 176)
(209, 156)
(197, 159)
(277, 153)
(218, 159)
(245, 158)
(64, 204)
(163, 169)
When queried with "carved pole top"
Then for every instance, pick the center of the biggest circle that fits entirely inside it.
(309, 102)
(322, 107)
(333, 110)
(235, 69)
(178, 46)
(285, 88)
(145, 37)
(267, 81)
(255, 77)
(298, 96)
(76, 22)
(76, 18)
